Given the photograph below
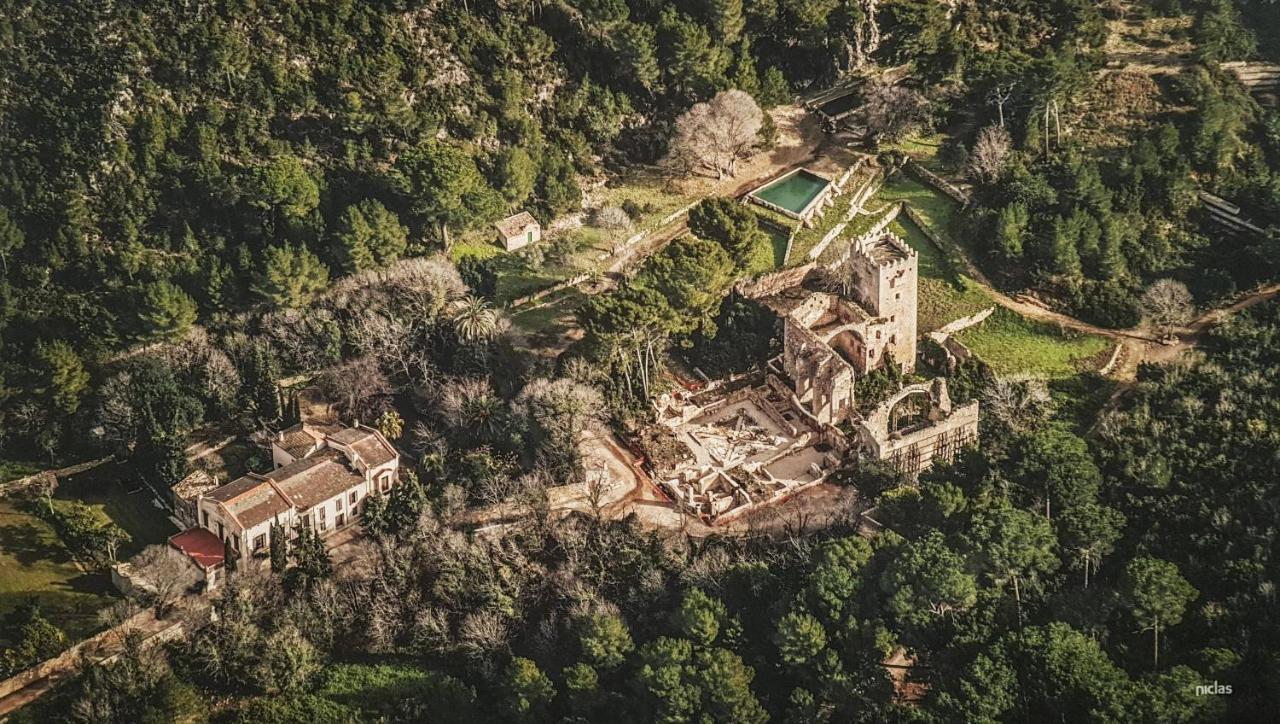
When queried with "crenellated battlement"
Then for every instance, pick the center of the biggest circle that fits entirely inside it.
(884, 249)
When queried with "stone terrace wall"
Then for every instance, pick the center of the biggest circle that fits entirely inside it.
(21, 484)
(942, 185)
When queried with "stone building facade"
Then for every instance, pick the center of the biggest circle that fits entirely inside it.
(917, 426)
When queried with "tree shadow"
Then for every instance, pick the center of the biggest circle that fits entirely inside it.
(30, 543)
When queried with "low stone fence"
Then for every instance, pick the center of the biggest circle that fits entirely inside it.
(49, 476)
(570, 282)
(942, 185)
(68, 659)
(964, 323)
(1116, 355)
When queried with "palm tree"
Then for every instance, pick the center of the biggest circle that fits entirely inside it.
(473, 318)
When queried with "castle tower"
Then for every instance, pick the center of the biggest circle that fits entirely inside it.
(885, 273)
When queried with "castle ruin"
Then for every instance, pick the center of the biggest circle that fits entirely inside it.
(788, 428)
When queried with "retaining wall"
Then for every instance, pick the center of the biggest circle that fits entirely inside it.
(942, 185)
(30, 481)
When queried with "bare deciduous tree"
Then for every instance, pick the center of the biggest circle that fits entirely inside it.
(421, 285)
(360, 386)
(715, 134)
(394, 340)
(1020, 404)
(162, 575)
(990, 154)
(610, 217)
(892, 111)
(1001, 94)
(1167, 304)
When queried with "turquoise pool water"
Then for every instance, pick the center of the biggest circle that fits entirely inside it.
(794, 192)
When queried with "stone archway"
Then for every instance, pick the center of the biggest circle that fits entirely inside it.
(909, 410)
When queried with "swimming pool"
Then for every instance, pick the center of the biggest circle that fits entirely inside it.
(794, 194)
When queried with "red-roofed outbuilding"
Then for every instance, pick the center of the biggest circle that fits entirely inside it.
(200, 546)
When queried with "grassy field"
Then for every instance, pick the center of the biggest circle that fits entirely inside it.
(563, 254)
(1013, 344)
(938, 210)
(115, 492)
(34, 565)
(543, 325)
(923, 149)
(1010, 343)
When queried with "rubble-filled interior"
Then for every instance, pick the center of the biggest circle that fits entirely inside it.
(758, 440)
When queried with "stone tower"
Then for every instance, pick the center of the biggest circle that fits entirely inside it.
(885, 273)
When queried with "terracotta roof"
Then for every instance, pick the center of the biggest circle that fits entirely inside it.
(315, 479)
(515, 225)
(307, 481)
(200, 545)
(298, 440)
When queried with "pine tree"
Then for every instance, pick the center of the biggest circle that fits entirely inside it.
(64, 373)
(166, 312)
(262, 374)
(1011, 228)
(351, 244)
(311, 560)
(11, 238)
(290, 276)
(1066, 257)
(727, 20)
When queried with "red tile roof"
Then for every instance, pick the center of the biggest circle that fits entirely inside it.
(200, 545)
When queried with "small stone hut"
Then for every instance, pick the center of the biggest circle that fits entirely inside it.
(518, 231)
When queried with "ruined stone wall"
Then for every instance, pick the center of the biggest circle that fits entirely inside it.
(888, 290)
(948, 430)
(916, 451)
(823, 380)
(769, 284)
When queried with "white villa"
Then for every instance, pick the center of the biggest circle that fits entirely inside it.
(321, 479)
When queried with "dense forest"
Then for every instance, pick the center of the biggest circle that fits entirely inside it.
(1097, 574)
(166, 165)
(198, 200)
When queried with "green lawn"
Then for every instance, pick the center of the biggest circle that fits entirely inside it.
(1013, 344)
(923, 149)
(1009, 342)
(34, 565)
(939, 211)
(115, 491)
(778, 238)
(542, 325)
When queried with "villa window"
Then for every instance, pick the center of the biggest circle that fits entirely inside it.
(205, 517)
(354, 497)
(337, 506)
(320, 520)
(260, 541)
